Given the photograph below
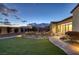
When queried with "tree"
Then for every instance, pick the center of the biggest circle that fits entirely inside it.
(34, 29)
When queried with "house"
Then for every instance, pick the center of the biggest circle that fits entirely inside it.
(61, 27)
(69, 24)
(11, 29)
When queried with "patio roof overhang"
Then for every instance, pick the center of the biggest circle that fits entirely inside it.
(62, 20)
(4, 25)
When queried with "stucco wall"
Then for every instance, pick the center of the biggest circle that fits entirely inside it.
(3, 30)
(53, 28)
(60, 27)
(75, 22)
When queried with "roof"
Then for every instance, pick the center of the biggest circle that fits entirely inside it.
(75, 8)
(62, 20)
(8, 25)
(2, 24)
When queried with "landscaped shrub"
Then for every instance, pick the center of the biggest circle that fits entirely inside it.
(63, 38)
(73, 35)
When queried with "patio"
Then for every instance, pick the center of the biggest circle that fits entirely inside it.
(69, 48)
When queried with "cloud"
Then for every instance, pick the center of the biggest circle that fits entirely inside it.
(24, 21)
(4, 10)
(12, 11)
(5, 14)
(17, 17)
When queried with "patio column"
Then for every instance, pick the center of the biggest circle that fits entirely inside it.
(3, 30)
(12, 30)
(24, 29)
(53, 28)
(19, 30)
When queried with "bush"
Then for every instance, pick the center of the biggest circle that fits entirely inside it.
(63, 38)
(73, 35)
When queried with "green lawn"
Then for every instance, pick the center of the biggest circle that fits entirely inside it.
(28, 47)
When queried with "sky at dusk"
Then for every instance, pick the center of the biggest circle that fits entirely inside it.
(38, 13)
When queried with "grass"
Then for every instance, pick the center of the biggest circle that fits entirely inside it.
(21, 46)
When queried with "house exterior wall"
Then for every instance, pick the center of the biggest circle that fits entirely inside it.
(53, 28)
(75, 22)
(60, 28)
(4, 30)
